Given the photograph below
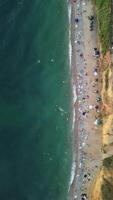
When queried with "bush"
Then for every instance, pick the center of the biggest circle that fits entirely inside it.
(103, 11)
(108, 162)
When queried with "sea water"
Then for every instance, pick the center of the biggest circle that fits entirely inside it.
(35, 100)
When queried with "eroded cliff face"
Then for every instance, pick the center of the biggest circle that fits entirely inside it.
(107, 101)
(103, 186)
(107, 182)
(96, 193)
(103, 189)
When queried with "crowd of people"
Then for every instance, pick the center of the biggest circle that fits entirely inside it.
(84, 90)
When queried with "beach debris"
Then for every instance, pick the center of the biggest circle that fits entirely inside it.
(98, 122)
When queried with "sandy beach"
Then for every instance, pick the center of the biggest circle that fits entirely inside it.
(86, 77)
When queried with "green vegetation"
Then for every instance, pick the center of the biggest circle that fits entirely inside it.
(108, 162)
(107, 79)
(103, 11)
(107, 190)
(107, 186)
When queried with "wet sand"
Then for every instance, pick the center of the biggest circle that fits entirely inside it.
(86, 77)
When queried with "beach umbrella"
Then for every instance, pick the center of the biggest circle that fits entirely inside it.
(98, 99)
(90, 107)
(95, 73)
(98, 122)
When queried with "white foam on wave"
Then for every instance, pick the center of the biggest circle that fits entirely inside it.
(70, 46)
(74, 93)
(72, 174)
(70, 49)
(70, 53)
(73, 122)
(74, 101)
(73, 168)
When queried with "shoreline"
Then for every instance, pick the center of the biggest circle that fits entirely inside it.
(84, 142)
(72, 184)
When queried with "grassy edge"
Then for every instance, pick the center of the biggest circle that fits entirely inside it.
(104, 20)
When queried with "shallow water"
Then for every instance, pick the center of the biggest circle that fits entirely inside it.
(35, 100)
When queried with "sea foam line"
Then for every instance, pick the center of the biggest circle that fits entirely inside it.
(70, 59)
(70, 46)
(73, 172)
(73, 168)
(74, 101)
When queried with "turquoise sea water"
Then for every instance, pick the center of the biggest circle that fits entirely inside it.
(35, 141)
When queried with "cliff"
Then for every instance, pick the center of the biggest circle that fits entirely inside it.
(103, 189)
(103, 186)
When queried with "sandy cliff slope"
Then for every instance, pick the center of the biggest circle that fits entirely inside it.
(103, 186)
